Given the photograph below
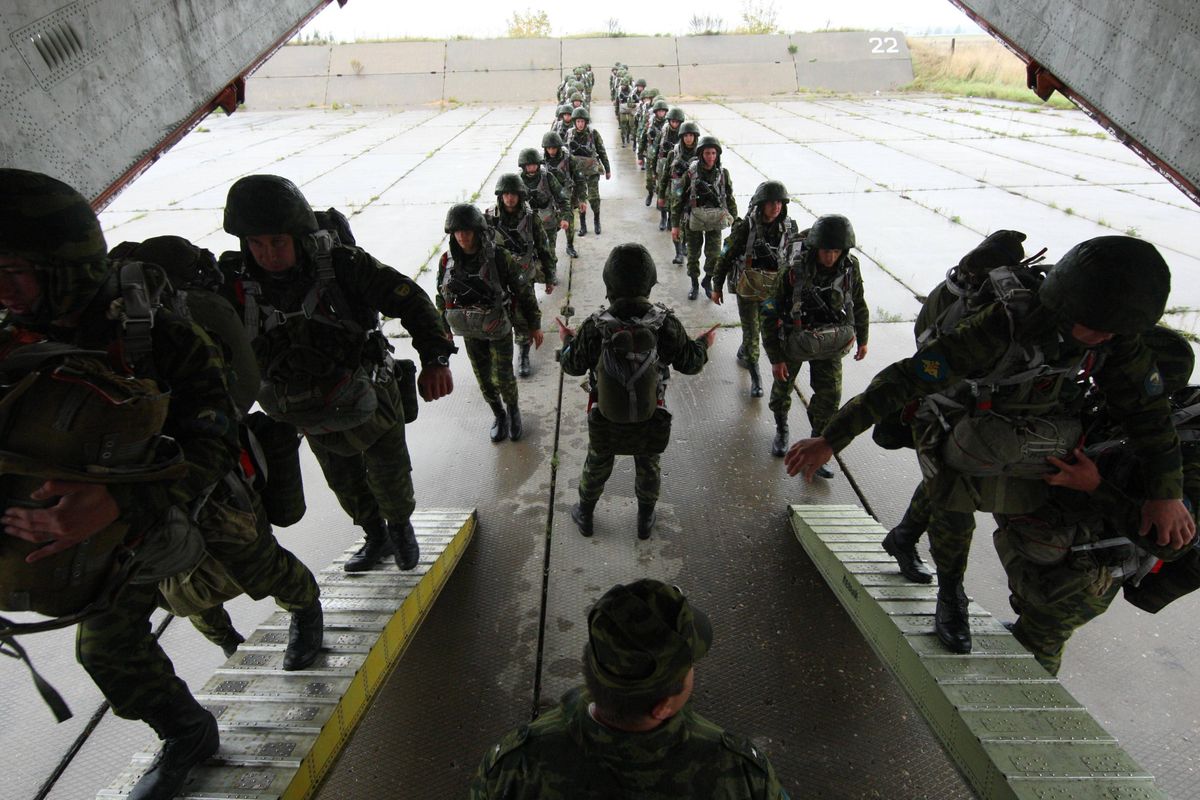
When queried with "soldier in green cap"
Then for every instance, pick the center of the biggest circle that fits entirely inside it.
(586, 148)
(1014, 371)
(757, 248)
(671, 178)
(312, 304)
(478, 285)
(631, 730)
(816, 315)
(704, 206)
(627, 350)
(560, 164)
(519, 231)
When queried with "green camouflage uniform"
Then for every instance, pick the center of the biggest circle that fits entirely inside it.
(644, 440)
(552, 200)
(771, 250)
(573, 184)
(643, 640)
(658, 154)
(708, 242)
(825, 375)
(492, 361)
(508, 238)
(588, 189)
(677, 159)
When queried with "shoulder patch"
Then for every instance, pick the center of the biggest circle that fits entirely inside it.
(511, 741)
(930, 366)
(1154, 383)
(744, 748)
(404, 289)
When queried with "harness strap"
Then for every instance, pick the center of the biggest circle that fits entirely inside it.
(50, 696)
(137, 317)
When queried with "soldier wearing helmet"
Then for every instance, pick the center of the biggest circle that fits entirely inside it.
(547, 195)
(559, 163)
(642, 116)
(671, 176)
(479, 286)
(1086, 319)
(313, 304)
(704, 206)
(815, 315)
(631, 723)
(655, 121)
(658, 156)
(626, 104)
(520, 231)
(586, 148)
(758, 247)
(562, 121)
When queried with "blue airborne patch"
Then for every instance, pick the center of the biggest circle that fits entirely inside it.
(930, 366)
(1154, 383)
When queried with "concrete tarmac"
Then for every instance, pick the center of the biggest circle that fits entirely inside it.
(923, 179)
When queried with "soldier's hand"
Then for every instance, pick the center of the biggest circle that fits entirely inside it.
(564, 332)
(550, 287)
(662, 203)
(710, 335)
(82, 511)
(779, 372)
(641, 163)
(583, 208)
(562, 226)
(860, 353)
(1171, 520)
(538, 337)
(717, 296)
(806, 455)
(607, 175)
(675, 234)
(1082, 476)
(434, 382)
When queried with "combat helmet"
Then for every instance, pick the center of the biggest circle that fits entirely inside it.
(768, 191)
(1111, 284)
(49, 224)
(629, 271)
(625, 81)
(676, 113)
(640, 82)
(531, 155)
(565, 108)
(831, 232)
(576, 96)
(650, 94)
(689, 127)
(464, 217)
(705, 142)
(660, 105)
(551, 139)
(581, 113)
(511, 182)
(259, 205)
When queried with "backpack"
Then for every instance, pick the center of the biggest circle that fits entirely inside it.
(707, 217)
(630, 381)
(476, 305)
(754, 275)
(822, 317)
(582, 147)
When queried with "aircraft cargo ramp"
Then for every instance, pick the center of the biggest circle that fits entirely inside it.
(923, 179)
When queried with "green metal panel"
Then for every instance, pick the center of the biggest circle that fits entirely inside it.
(1011, 727)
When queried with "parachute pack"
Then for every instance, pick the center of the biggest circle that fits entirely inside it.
(476, 304)
(630, 380)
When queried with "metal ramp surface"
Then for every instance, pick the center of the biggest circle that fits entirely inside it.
(281, 731)
(1011, 727)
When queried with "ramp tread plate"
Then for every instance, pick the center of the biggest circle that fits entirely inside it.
(280, 730)
(1012, 728)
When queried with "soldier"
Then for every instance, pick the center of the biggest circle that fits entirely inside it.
(627, 350)
(646, 136)
(817, 314)
(756, 249)
(706, 205)
(562, 121)
(563, 167)
(586, 148)
(671, 179)
(57, 285)
(577, 101)
(1067, 560)
(659, 156)
(626, 103)
(1083, 320)
(478, 284)
(520, 232)
(631, 730)
(547, 196)
(313, 304)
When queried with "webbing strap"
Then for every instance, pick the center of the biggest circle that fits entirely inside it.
(50, 696)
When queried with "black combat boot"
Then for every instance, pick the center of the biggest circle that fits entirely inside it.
(646, 519)
(582, 224)
(740, 357)
(229, 643)
(571, 251)
(951, 622)
(189, 736)
(901, 544)
(695, 290)
(581, 512)
(678, 259)
(515, 428)
(306, 633)
(824, 471)
(706, 284)
(662, 219)
(523, 368)
(376, 548)
(500, 424)
(596, 217)
(756, 389)
(405, 545)
(649, 197)
(780, 442)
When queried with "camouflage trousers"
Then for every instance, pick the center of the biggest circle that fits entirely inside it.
(376, 484)
(492, 364)
(708, 242)
(597, 468)
(520, 324)
(626, 124)
(825, 379)
(588, 190)
(750, 313)
(651, 173)
(950, 534)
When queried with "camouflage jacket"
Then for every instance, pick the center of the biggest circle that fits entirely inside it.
(777, 311)
(567, 174)
(770, 249)
(567, 755)
(520, 292)
(581, 352)
(1127, 375)
(681, 201)
(507, 227)
(677, 159)
(547, 191)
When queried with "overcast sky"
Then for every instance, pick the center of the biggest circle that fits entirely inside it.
(374, 19)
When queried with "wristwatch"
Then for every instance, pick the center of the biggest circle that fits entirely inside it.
(441, 361)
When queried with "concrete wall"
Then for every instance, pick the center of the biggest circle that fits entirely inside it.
(523, 70)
